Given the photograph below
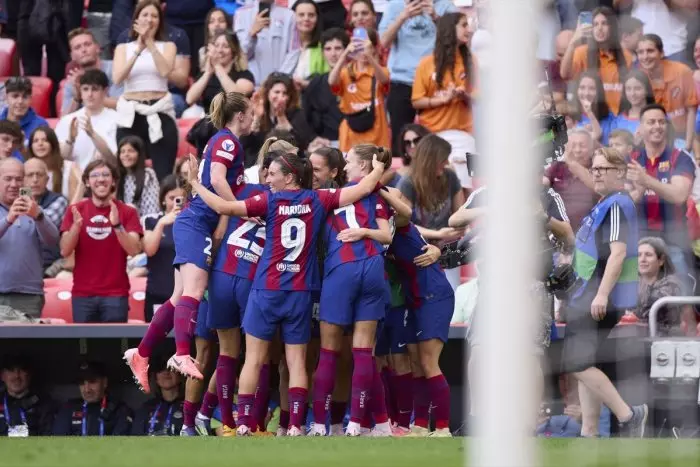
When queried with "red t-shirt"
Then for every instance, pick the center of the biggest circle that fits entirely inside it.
(100, 261)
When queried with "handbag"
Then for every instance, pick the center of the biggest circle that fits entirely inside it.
(363, 121)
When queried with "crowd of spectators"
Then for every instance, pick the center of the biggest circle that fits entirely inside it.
(90, 194)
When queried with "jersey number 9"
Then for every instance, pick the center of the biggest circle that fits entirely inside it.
(293, 237)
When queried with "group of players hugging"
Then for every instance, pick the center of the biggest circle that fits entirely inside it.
(334, 288)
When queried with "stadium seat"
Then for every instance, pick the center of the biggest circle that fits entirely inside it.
(183, 127)
(8, 47)
(58, 302)
(137, 300)
(53, 122)
(41, 94)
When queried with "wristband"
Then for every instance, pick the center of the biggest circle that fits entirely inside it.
(118, 227)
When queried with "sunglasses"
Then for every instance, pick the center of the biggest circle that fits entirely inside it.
(411, 142)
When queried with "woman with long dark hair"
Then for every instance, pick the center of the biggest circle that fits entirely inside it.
(601, 54)
(216, 21)
(443, 90)
(307, 58)
(138, 184)
(434, 193)
(636, 94)
(590, 110)
(64, 176)
(277, 107)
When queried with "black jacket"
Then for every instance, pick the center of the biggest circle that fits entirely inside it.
(321, 108)
(157, 417)
(113, 418)
(38, 413)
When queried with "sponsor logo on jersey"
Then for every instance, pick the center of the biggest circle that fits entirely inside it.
(246, 256)
(99, 232)
(224, 154)
(294, 210)
(288, 267)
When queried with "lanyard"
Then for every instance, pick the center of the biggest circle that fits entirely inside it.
(154, 419)
(7, 414)
(85, 417)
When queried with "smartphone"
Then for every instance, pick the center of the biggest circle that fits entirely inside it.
(359, 35)
(264, 7)
(25, 191)
(585, 17)
(178, 201)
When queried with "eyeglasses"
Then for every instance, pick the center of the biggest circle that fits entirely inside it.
(411, 142)
(96, 175)
(600, 170)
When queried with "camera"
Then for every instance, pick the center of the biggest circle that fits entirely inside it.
(459, 253)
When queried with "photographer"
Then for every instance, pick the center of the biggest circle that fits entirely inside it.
(607, 281)
(555, 225)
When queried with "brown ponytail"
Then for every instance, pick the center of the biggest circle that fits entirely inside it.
(225, 106)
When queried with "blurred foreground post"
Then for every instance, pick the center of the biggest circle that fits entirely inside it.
(505, 374)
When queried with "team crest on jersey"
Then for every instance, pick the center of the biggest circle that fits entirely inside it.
(209, 260)
(664, 166)
(228, 145)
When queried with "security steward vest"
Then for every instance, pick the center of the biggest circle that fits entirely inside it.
(586, 257)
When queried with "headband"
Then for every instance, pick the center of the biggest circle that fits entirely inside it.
(289, 166)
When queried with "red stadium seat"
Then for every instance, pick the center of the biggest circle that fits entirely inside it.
(137, 300)
(58, 302)
(183, 127)
(8, 47)
(52, 122)
(41, 94)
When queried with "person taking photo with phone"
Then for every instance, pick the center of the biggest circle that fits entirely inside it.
(24, 232)
(159, 246)
(265, 32)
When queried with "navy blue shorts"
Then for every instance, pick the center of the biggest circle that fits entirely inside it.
(228, 296)
(356, 291)
(202, 330)
(394, 333)
(192, 244)
(268, 309)
(431, 320)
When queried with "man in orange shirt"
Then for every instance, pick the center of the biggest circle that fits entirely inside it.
(673, 86)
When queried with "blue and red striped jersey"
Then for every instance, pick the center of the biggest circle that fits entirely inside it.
(223, 148)
(244, 241)
(294, 222)
(362, 214)
(658, 217)
(419, 284)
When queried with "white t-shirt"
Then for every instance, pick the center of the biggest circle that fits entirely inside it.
(104, 124)
(657, 19)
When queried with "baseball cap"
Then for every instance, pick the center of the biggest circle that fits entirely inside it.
(90, 371)
(15, 362)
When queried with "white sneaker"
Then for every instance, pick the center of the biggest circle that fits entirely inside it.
(365, 431)
(381, 430)
(353, 429)
(202, 424)
(281, 431)
(295, 431)
(243, 431)
(418, 432)
(337, 430)
(317, 430)
(441, 433)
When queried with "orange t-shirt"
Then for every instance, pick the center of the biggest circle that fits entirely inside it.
(457, 114)
(675, 91)
(356, 95)
(607, 71)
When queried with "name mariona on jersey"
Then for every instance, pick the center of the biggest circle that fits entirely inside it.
(294, 210)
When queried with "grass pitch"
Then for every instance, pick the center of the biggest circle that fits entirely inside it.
(328, 452)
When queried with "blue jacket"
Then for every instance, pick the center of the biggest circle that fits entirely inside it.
(28, 123)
